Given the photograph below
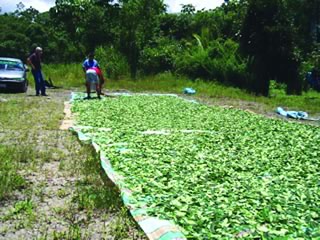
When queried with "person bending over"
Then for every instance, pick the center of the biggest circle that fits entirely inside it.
(94, 76)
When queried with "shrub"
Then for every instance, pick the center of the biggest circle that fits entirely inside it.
(311, 62)
(160, 56)
(192, 63)
(220, 61)
(112, 62)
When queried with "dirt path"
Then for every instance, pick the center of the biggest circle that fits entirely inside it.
(63, 196)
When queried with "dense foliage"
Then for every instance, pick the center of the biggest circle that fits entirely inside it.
(244, 43)
(235, 174)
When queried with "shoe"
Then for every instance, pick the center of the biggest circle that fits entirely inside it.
(88, 97)
(45, 95)
(99, 97)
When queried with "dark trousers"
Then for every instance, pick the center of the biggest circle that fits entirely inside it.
(39, 82)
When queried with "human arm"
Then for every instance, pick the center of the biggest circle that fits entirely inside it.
(100, 74)
(29, 61)
(84, 66)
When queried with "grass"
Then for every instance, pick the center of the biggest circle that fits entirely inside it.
(22, 116)
(29, 139)
(309, 101)
(29, 112)
(71, 75)
(91, 192)
(9, 177)
(24, 214)
(66, 75)
(96, 192)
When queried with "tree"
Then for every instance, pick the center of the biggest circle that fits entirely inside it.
(267, 37)
(30, 14)
(13, 40)
(87, 24)
(20, 7)
(188, 9)
(306, 17)
(138, 26)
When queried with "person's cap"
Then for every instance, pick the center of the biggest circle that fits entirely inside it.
(91, 54)
(39, 49)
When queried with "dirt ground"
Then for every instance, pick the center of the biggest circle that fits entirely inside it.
(64, 196)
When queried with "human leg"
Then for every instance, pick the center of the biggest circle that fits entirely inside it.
(42, 84)
(89, 76)
(98, 90)
(92, 78)
(36, 81)
(101, 82)
(88, 86)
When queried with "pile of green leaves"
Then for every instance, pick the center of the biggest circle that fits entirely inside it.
(242, 176)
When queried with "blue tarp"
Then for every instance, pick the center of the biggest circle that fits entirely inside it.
(189, 91)
(295, 114)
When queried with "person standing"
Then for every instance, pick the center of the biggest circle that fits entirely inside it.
(34, 60)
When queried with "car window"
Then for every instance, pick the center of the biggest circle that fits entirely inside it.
(14, 66)
(11, 66)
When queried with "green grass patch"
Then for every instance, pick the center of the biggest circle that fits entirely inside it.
(167, 82)
(65, 75)
(239, 175)
(9, 177)
(71, 76)
(23, 211)
(21, 112)
(96, 193)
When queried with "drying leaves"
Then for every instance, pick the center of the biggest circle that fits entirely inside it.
(218, 173)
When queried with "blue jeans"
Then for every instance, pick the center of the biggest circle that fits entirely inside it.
(39, 82)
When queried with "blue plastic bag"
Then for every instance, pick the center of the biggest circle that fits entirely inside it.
(189, 91)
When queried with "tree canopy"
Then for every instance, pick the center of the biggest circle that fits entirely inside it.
(243, 43)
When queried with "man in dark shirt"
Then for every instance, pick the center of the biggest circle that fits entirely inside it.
(34, 60)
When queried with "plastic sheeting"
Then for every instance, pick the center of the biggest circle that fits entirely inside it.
(155, 229)
(295, 114)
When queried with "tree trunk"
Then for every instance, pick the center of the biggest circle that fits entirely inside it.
(261, 79)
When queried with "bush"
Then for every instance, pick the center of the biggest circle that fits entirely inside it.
(311, 62)
(192, 63)
(112, 62)
(220, 61)
(160, 56)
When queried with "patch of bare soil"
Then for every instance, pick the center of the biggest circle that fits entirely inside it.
(64, 196)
